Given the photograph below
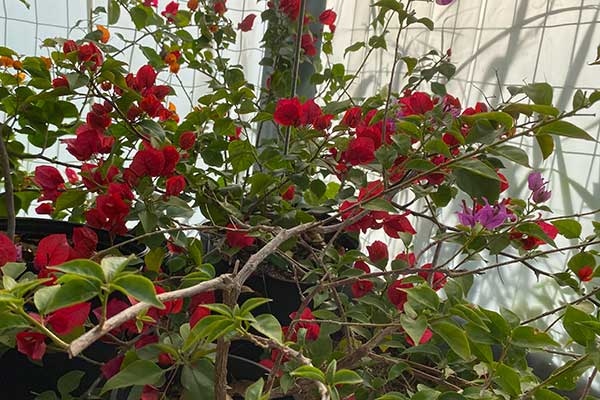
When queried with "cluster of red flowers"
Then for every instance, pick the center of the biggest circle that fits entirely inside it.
(237, 238)
(291, 112)
(90, 137)
(392, 224)
(88, 54)
(55, 249)
(52, 250)
(153, 96)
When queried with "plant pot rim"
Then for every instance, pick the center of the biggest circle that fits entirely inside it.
(32, 225)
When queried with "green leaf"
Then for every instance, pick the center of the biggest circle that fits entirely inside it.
(154, 259)
(539, 93)
(43, 297)
(81, 267)
(529, 109)
(354, 47)
(508, 379)
(346, 377)
(529, 337)
(138, 287)
(476, 185)
(546, 144)
(512, 153)
(533, 229)
(14, 269)
(578, 332)
(198, 380)
(478, 167)
(268, 325)
(411, 63)
(208, 329)
(73, 292)
(415, 328)
(380, 204)
(309, 372)
(12, 321)
(153, 129)
(241, 155)
(498, 116)
(545, 394)
(69, 382)
(454, 337)
(69, 199)
(569, 228)
(138, 373)
(566, 129)
(419, 164)
(425, 295)
(392, 396)
(254, 391)
(253, 303)
(427, 22)
(114, 12)
(580, 260)
(112, 266)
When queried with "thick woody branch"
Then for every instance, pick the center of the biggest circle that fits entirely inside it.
(85, 340)
(221, 282)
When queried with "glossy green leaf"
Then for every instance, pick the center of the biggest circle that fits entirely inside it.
(569, 228)
(309, 372)
(113, 266)
(69, 199)
(578, 332)
(512, 153)
(533, 229)
(454, 337)
(508, 379)
(529, 337)
(138, 287)
(346, 377)
(138, 373)
(565, 129)
(73, 292)
(268, 325)
(81, 267)
(539, 93)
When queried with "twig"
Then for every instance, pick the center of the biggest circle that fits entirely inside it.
(351, 359)
(288, 351)
(8, 187)
(557, 309)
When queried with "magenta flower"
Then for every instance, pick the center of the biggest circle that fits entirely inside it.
(537, 185)
(444, 2)
(488, 216)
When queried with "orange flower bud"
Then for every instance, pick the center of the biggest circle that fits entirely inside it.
(20, 77)
(6, 61)
(17, 64)
(47, 62)
(213, 28)
(171, 59)
(174, 68)
(105, 33)
(192, 4)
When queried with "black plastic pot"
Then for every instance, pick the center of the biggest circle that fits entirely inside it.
(19, 377)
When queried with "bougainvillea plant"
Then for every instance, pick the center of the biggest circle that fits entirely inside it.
(371, 322)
